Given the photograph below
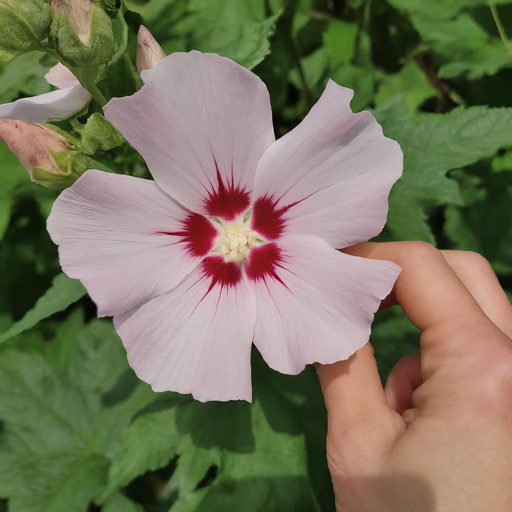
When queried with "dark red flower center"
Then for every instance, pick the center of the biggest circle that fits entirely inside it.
(197, 234)
(227, 199)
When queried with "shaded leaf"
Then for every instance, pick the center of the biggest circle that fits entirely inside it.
(63, 292)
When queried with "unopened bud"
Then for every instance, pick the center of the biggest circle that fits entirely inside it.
(82, 32)
(38, 148)
(23, 25)
(149, 52)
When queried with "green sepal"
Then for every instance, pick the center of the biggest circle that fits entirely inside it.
(71, 164)
(98, 135)
(99, 48)
(71, 141)
(23, 26)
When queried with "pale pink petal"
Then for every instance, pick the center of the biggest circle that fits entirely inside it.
(39, 109)
(196, 338)
(125, 239)
(315, 304)
(330, 177)
(60, 76)
(201, 122)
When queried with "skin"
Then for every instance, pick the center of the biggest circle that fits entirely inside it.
(438, 438)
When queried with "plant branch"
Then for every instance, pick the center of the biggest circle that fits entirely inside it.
(499, 26)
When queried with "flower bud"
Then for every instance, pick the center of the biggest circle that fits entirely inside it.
(149, 52)
(38, 148)
(24, 24)
(82, 32)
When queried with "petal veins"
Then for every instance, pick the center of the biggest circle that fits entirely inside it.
(227, 275)
(198, 234)
(263, 261)
(227, 201)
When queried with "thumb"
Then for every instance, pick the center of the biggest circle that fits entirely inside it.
(361, 425)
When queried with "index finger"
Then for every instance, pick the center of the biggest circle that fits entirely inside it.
(433, 298)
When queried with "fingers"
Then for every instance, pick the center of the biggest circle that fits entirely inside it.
(351, 387)
(434, 299)
(403, 379)
(479, 278)
(360, 420)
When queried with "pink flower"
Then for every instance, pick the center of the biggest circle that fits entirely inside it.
(234, 240)
(59, 104)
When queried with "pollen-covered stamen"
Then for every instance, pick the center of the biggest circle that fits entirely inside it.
(236, 241)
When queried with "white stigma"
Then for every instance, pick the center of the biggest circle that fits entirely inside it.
(235, 241)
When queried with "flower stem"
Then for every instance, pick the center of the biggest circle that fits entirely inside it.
(499, 26)
(96, 94)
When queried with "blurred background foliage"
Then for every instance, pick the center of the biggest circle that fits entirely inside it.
(78, 431)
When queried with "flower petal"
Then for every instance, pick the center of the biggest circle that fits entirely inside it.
(39, 109)
(330, 177)
(201, 122)
(60, 76)
(315, 304)
(196, 338)
(125, 239)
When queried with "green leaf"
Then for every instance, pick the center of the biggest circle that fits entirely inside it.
(58, 434)
(434, 144)
(406, 218)
(459, 39)
(6, 203)
(260, 456)
(236, 29)
(60, 482)
(340, 41)
(360, 80)
(272, 478)
(485, 224)
(24, 75)
(314, 67)
(410, 82)
(120, 503)
(63, 292)
(12, 173)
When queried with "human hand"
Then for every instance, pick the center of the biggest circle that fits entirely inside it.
(439, 437)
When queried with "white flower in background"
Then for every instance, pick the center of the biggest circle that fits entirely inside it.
(59, 104)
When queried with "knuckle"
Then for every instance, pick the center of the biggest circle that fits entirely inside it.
(419, 249)
(471, 260)
(493, 382)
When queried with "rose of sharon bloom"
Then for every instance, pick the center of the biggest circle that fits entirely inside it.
(70, 98)
(235, 240)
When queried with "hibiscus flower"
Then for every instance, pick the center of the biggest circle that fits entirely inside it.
(69, 98)
(235, 240)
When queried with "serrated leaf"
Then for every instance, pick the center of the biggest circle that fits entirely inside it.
(236, 29)
(458, 38)
(261, 459)
(271, 479)
(432, 145)
(63, 292)
(58, 435)
(60, 482)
